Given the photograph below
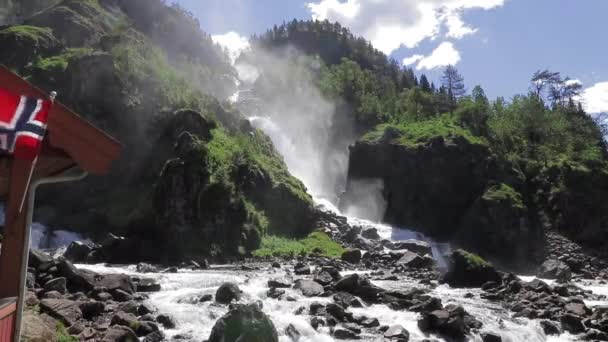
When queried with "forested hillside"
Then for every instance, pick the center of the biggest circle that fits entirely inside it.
(492, 174)
(195, 177)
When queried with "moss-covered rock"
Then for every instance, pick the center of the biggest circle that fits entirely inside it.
(244, 323)
(498, 226)
(22, 45)
(469, 270)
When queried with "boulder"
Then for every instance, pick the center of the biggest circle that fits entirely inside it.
(555, 269)
(352, 255)
(346, 300)
(413, 260)
(167, 321)
(77, 252)
(38, 258)
(146, 268)
(490, 337)
(119, 333)
(124, 319)
(113, 282)
(244, 323)
(301, 269)
(550, 328)
(57, 284)
(280, 283)
(323, 278)
(416, 246)
(469, 270)
(397, 332)
(358, 286)
(572, 323)
(91, 309)
(341, 333)
(36, 329)
(148, 285)
(228, 292)
(370, 233)
(66, 311)
(157, 336)
(308, 288)
(293, 333)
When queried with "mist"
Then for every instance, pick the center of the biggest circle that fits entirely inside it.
(364, 199)
(279, 95)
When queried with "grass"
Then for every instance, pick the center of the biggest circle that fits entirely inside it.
(317, 243)
(474, 261)
(31, 32)
(413, 134)
(503, 193)
(60, 62)
(62, 334)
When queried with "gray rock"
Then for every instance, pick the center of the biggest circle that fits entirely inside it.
(77, 252)
(555, 269)
(57, 284)
(418, 247)
(166, 321)
(119, 333)
(66, 311)
(148, 285)
(228, 292)
(491, 337)
(397, 332)
(352, 255)
(244, 323)
(309, 288)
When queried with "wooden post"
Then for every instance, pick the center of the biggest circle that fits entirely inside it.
(12, 256)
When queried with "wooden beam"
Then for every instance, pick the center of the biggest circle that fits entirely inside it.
(13, 244)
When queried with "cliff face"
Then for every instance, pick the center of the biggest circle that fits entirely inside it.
(449, 186)
(194, 178)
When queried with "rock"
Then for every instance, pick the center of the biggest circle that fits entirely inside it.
(292, 332)
(359, 286)
(119, 333)
(428, 305)
(146, 268)
(352, 255)
(77, 252)
(538, 285)
(301, 269)
(309, 288)
(469, 270)
(346, 300)
(491, 337)
(419, 247)
(324, 278)
(205, 298)
(30, 280)
(344, 334)
(145, 328)
(280, 283)
(91, 309)
(275, 293)
(52, 295)
(157, 336)
(550, 328)
(413, 260)
(57, 284)
(336, 311)
(555, 269)
(31, 299)
(148, 285)
(64, 310)
(397, 332)
(370, 233)
(116, 282)
(103, 296)
(128, 307)
(572, 324)
(125, 319)
(316, 322)
(166, 321)
(244, 323)
(228, 292)
(121, 296)
(276, 265)
(577, 309)
(38, 258)
(36, 329)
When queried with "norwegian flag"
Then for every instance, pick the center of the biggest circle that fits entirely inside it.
(23, 123)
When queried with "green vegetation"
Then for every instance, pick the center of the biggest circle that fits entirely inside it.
(34, 33)
(421, 132)
(317, 243)
(503, 193)
(58, 63)
(62, 334)
(474, 261)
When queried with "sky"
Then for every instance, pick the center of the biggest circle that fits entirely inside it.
(497, 44)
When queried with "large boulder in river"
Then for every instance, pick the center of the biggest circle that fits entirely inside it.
(244, 323)
(228, 292)
(352, 255)
(416, 246)
(469, 270)
(309, 288)
(77, 252)
(555, 269)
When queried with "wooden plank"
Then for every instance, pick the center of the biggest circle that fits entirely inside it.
(11, 257)
(8, 307)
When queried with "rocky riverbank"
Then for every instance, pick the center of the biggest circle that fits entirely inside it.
(310, 298)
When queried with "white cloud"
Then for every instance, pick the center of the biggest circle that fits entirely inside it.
(389, 24)
(413, 59)
(574, 81)
(233, 42)
(595, 98)
(445, 54)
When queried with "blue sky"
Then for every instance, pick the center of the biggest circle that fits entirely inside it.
(495, 43)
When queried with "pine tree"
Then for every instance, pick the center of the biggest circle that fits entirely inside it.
(454, 85)
(424, 84)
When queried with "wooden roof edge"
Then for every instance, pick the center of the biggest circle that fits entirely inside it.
(93, 149)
